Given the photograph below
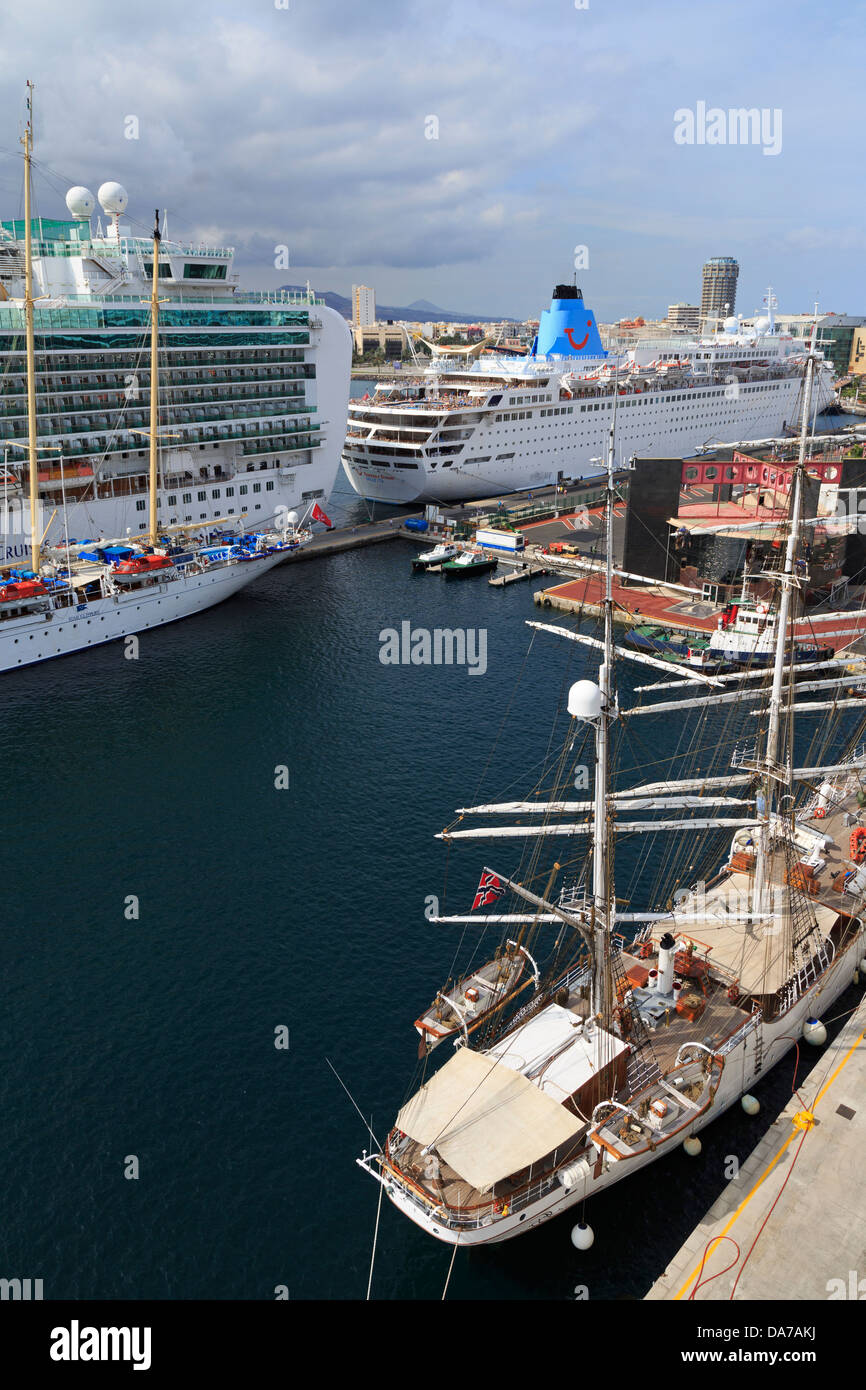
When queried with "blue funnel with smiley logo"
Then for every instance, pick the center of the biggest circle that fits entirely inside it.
(568, 328)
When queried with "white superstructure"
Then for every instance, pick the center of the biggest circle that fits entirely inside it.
(253, 386)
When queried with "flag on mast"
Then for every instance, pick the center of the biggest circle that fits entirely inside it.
(489, 889)
(319, 515)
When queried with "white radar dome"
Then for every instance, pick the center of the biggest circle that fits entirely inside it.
(731, 324)
(762, 325)
(584, 700)
(292, 518)
(80, 202)
(113, 198)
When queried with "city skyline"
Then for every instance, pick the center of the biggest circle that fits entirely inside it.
(469, 157)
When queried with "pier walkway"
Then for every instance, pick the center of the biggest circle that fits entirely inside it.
(794, 1221)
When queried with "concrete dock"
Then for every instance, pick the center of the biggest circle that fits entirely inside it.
(349, 538)
(792, 1226)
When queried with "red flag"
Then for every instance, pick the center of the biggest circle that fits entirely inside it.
(319, 515)
(489, 889)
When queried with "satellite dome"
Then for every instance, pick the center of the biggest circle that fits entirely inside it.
(113, 198)
(80, 202)
(292, 518)
(584, 700)
(731, 324)
(762, 325)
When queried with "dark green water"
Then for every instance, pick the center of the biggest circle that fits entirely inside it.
(259, 908)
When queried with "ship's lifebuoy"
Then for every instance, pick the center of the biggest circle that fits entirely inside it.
(820, 813)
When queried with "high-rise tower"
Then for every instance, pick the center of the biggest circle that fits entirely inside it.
(719, 289)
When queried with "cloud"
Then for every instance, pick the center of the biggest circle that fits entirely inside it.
(308, 127)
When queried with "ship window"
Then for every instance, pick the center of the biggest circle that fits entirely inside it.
(172, 501)
(257, 487)
(194, 270)
(216, 492)
(187, 497)
(230, 492)
(269, 487)
(139, 506)
(243, 489)
(202, 496)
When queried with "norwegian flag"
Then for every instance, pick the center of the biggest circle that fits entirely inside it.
(489, 890)
(319, 515)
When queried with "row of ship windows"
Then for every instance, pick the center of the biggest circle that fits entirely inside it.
(637, 400)
(202, 496)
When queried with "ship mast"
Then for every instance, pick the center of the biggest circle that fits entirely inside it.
(27, 142)
(154, 385)
(772, 773)
(601, 839)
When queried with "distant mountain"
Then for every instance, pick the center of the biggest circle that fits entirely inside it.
(420, 309)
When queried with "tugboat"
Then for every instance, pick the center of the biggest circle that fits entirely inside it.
(469, 562)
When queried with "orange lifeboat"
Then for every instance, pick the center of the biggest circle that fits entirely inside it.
(857, 844)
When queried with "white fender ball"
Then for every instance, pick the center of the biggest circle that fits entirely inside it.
(582, 1236)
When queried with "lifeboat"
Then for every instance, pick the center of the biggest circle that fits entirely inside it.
(857, 844)
(138, 567)
(22, 592)
(475, 997)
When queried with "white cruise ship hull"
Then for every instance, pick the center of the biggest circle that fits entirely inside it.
(39, 636)
(670, 424)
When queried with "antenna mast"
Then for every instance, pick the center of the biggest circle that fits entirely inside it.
(154, 383)
(601, 840)
(27, 142)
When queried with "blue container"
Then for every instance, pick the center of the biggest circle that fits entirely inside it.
(416, 524)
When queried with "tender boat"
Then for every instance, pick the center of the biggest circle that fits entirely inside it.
(469, 562)
(445, 550)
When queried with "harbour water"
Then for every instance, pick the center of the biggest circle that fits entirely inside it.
(168, 908)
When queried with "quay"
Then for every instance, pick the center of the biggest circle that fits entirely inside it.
(792, 1225)
(342, 538)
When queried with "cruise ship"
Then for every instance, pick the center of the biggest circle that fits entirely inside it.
(253, 386)
(460, 432)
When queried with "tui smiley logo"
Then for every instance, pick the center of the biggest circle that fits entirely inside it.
(569, 333)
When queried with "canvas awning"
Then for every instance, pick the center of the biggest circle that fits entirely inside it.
(485, 1120)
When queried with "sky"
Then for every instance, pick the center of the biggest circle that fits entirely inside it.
(461, 152)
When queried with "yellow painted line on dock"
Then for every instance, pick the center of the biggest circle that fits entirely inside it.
(770, 1166)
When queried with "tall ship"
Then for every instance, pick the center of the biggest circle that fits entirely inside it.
(461, 432)
(593, 1041)
(253, 393)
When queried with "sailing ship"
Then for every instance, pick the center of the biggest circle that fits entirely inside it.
(641, 1028)
(76, 596)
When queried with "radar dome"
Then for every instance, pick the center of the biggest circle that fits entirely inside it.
(113, 198)
(80, 202)
(584, 700)
(731, 324)
(292, 518)
(762, 325)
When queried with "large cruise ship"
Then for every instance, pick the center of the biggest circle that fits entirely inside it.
(253, 386)
(460, 432)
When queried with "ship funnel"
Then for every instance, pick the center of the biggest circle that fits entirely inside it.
(568, 328)
(667, 951)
